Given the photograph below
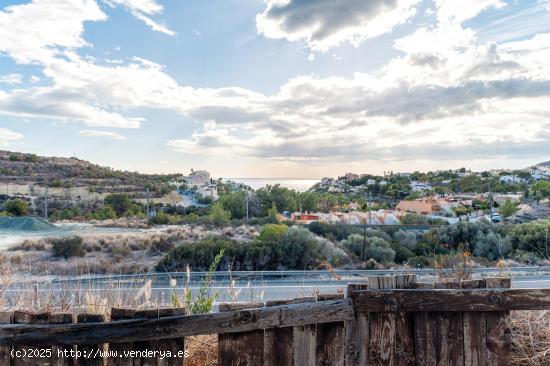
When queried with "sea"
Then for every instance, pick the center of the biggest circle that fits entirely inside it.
(300, 185)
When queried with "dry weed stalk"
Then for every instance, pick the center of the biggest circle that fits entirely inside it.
(530, 331)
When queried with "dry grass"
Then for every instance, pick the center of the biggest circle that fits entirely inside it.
(530, 331)
(203, 350)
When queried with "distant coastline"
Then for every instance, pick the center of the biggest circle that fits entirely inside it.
(300, 185)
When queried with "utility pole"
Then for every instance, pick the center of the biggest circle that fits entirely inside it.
(364, 239)
(147, 204)
(46, 203)
(490, 203)
(247, 200)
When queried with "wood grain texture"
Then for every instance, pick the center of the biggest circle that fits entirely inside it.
(404, 327)
(27, 355)
(382, 327)
(357, 332)
(453, 300)
(161, 346)
(304, 339)
(89, 352)
(122, 314)
(475, 331)
(179, 326)
(278, 342)
(499, 342)
(240, 349)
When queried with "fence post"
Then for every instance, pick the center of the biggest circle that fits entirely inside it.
(357, 333)
(89, 353)
(475, 331)
(330, 338)
(245, 348)
(61, 355)
(305, 340)
(498, 332)
(278, 342)
(390, 337)
(121, 314)
(175, 346)
(28, 355)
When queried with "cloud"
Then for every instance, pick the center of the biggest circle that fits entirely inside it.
(39, 30)
(142, 10)
(7, 136)
(323, 24)
(104, 134)
(11, 79)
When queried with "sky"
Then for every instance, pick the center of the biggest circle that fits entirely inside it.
(278, 88)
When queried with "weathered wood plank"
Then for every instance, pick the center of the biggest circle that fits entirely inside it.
(404, 328)
(175, 346)
(27, 354)
(61, 355)
(119, 348)
(499, 341)
(90, 352)
(278, 342)
(452, 300)
(179, 326)
(330, 338)
(424, 325)
(240, 349)
(381, 327)
(357, 333)
(449, 329)
(304, 339)
(475, 331)
(5, 351)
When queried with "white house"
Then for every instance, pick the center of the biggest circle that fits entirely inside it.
(511, 179)
(420, 186)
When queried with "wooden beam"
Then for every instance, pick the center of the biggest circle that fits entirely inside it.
(452, 300)
(178, 326)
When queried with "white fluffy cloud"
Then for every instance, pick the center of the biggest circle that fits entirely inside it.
(142, 10)
(445, 95)
(7, 136)
(104, 134)
(37, 31)
(323, 24)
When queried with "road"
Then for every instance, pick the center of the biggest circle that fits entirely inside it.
(249, 286)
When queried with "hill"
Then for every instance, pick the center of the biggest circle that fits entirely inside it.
(62, 172)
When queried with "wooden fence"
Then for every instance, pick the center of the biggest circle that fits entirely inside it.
(391, 320)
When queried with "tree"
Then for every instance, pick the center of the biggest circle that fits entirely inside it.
(507, 209)
(235, 203)
(120, 202)
(272, 214)
(541, 189)
(218, 216)
(17, 207)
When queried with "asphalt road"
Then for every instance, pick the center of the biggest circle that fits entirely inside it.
(250, 286)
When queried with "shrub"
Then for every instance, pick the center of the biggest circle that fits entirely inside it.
(406, 239)
(68, 247)
(17, 207)
(218, 216)
(491, 246)
(120, 202)
(375, 248)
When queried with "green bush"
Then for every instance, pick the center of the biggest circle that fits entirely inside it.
(120, 202)
(68, 247)
(17, 207)
(218, 216)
